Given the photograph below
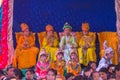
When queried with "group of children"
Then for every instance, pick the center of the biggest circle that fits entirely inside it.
(63, 58)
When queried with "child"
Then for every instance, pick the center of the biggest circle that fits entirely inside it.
(67, 41)
(42, 65)
(30, 74)
(51, 74)
(59, 64)
(95, 75)
(9, 71)
(87, 73)
(73, 65)
(86, 48)
(103, 73)
(106, 60)
(117, 72)
(92, 64)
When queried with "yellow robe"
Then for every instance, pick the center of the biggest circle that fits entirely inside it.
(59, 67)
(50, 50)
(73, 67)
(25, 57)
(89, 54)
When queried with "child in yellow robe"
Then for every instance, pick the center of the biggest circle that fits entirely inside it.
(26, 52)
(59, 64)
(86, 48)
(50, 42)
(73, 65)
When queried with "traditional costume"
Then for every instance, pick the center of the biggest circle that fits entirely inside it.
(42, 68)
(59, 66)
(86, 54)
(104, 62)
(73, 66)
(68, 41)
(48, 41)
(26, 52)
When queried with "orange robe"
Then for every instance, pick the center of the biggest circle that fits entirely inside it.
(25, 57)
(73, 67)
(59, 66)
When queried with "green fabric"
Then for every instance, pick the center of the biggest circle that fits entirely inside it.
(66, 25)
(72, 41)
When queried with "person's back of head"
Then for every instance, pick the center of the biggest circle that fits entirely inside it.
(80, 77)
(18, 73)
(68, 75)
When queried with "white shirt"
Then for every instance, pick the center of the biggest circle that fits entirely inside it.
(103, 63)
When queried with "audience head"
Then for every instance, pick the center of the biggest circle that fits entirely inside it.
(92, 65)
(69, 76)
(51, 74)
(30, 74)
(95, 75)
(111, 68)
(9, 71)
(18, 74)
(103, 73)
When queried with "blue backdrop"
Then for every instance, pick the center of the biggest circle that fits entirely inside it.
(100, 14)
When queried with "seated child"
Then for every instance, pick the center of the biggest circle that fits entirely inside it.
(42, 65)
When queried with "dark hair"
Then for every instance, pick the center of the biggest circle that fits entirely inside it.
(30, 70)
(80, 77)
(61, 53)
(117, 67)
(18, 73)
(10, 78)
(89, 64)
(68, 75)
(112, 75)
(111, 65)
(1, 73)
(9, 67)
(105, 70)
(87, 69)
(52, 70)
(93, 73)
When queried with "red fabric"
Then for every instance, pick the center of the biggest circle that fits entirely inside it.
(4, 56)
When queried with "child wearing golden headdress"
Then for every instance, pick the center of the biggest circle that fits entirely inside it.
(73, 65)
(42, 65)
(50, 42)
(25, 52)
(59, 64)
(86, 48)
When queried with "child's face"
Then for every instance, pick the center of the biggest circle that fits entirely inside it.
(59, 56)
(111, 69)
(93, 66)
(10, 72)
(103, 75)
(73, 56)
(96, 76)
(26, 32)
(118, 73)
(110, 55)
(43, 58)
(51, 76)
(67, 31)
(49, 33)
(85, 32)
(29, 75)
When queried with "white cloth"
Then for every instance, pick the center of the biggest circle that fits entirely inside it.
(103, 63)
